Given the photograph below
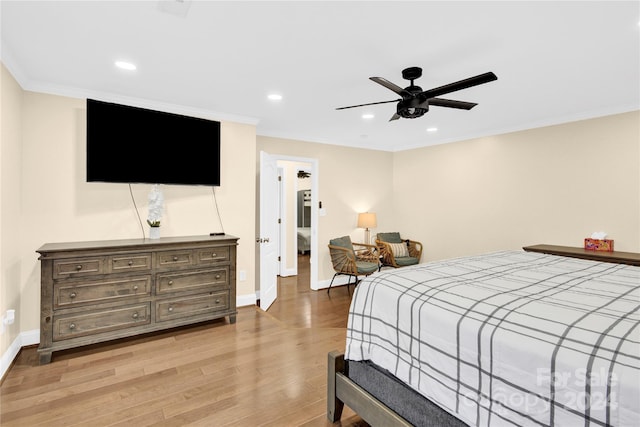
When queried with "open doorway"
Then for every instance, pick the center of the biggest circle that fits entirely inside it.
(296, 228)
(269, 264)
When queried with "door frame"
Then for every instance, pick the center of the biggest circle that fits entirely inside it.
(315, 174)
(282, 232)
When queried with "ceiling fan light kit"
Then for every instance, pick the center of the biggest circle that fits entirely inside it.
(415, 102)
(411, 109)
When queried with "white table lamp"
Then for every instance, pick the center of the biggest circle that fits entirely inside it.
(367, 220)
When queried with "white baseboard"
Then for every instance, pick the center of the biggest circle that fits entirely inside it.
(244, 300)
(288, 272)
(23, 339)
(339, 281)
(30, 337)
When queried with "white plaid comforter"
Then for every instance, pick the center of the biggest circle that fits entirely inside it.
(508, 339)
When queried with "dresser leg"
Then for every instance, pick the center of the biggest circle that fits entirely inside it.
(45, 358)
(232, 319)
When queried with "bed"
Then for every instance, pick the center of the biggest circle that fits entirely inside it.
(513, 338)
(304, 239)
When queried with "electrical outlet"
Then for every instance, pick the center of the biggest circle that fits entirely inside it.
(7, 319)
(10, 317)
(242, 276)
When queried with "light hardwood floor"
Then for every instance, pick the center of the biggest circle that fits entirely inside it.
(267, 369)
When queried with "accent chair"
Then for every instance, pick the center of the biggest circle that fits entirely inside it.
(352, 259)
(397, 252)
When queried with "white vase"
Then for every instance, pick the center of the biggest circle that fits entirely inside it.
(154, 232)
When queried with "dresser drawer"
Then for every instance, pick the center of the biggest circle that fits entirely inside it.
(212, 255)
(133, 262)
(186, 307)
(193, 280)
(173, 259)
(100, 321)
(66, 294)
(65, 268)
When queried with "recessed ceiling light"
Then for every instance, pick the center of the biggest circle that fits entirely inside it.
(432, 129)
(275, 97)
(368, 116)
(125, 65)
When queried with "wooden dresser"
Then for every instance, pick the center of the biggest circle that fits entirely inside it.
(99, 291)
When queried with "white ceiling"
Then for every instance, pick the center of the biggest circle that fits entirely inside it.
(555, 61)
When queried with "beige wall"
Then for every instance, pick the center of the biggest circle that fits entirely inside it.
(10, 186)
(52, 202)
(350, 180)
(549, 185)
(552, 185)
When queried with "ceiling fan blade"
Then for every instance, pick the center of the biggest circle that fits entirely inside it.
(459, 85)
(395, 116)
(392, 86)
(370, 103)
(451, 103)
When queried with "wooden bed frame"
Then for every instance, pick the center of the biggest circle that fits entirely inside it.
(341, 390)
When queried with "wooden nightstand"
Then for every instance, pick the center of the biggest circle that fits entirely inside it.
(618, 257)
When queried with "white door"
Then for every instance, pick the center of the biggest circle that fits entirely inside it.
(268, 239)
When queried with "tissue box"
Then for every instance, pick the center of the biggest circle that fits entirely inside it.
(604, 245)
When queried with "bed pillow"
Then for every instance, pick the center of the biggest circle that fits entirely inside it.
(399, 249)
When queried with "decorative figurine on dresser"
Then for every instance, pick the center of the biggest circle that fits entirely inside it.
(98, 291)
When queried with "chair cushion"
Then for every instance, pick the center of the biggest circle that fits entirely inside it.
(406, 260)
(344, 242)
(366, 267)
(399, 249)
(390, 237)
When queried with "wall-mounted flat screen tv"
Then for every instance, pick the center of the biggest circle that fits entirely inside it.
(135, 145)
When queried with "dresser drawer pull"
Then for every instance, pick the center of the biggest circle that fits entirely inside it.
(214, 255)
(72, 326)
(130, 262)
(78, 267)
(217, 276)
(170, 309)
(175, 258)
(218, 301)
(135, 315)
(170, 282)
(73, 295)
(135, 287)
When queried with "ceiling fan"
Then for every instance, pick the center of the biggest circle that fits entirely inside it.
(415, 102)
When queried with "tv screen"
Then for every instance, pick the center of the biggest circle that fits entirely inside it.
(135, 145)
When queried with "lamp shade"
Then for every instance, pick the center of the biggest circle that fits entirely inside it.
(367, 220)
